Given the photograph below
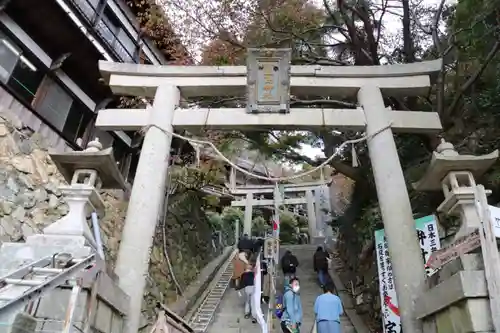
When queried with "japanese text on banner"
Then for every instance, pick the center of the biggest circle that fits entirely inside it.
(429, 242)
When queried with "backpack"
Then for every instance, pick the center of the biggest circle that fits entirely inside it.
(279, 308)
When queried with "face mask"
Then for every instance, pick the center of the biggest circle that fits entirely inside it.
(295, 289)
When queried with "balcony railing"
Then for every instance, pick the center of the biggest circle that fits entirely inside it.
(89, 11)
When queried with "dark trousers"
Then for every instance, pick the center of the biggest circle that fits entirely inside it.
(322, 277)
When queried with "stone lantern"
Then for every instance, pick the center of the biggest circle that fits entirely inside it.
(455, 175)
(86, 172)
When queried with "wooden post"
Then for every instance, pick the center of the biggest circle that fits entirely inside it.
(491, 257)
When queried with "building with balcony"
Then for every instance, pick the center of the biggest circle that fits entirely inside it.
(49, 75)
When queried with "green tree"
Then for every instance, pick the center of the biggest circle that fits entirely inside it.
(259, 226)
(288, 228)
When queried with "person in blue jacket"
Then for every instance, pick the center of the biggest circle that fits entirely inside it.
(292, 308)
(328, 309)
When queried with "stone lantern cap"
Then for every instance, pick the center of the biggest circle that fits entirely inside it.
(445, 159)
(92, 158)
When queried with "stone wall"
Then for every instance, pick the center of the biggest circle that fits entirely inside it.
(30, 200)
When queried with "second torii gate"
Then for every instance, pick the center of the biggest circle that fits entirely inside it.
(369, 83)
(251, 191)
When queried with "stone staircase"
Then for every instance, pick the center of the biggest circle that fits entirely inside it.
(309, 288)
(230, 319)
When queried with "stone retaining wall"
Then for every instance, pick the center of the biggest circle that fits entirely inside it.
(30, 200)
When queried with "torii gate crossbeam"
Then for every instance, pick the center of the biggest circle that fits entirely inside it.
(369, 84)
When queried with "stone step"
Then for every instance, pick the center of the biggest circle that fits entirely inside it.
(309, 287)
(229, 317)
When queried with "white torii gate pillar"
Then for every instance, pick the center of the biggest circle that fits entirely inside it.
(247, 222)
(311, 215)
(145, 204)
(395, 207)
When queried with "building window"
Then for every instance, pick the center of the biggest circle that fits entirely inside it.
(25, 78)
(53, 103)
(117, 38)
(87, 7)
(17, 72)
(9, 55)
(108, 30)
(67, 114)
(77, 121)
(126, 42)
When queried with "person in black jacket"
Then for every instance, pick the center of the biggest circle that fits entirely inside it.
(320, 263)
(258, 245)
(245, 244)
(289, 264)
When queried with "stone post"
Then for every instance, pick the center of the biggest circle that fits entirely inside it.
(247, 222)
(395, 208)
(145, 205)
(311, 215)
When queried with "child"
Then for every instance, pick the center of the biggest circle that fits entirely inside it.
(247, 284)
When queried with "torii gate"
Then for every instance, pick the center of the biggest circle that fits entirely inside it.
(250, 191)
(369, 83)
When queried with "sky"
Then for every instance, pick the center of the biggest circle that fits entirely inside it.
(311, 152)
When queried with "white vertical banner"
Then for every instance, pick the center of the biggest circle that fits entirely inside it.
(323, 209)
(256, 304)
(429, 242)
(318, 212)
(495, 220)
